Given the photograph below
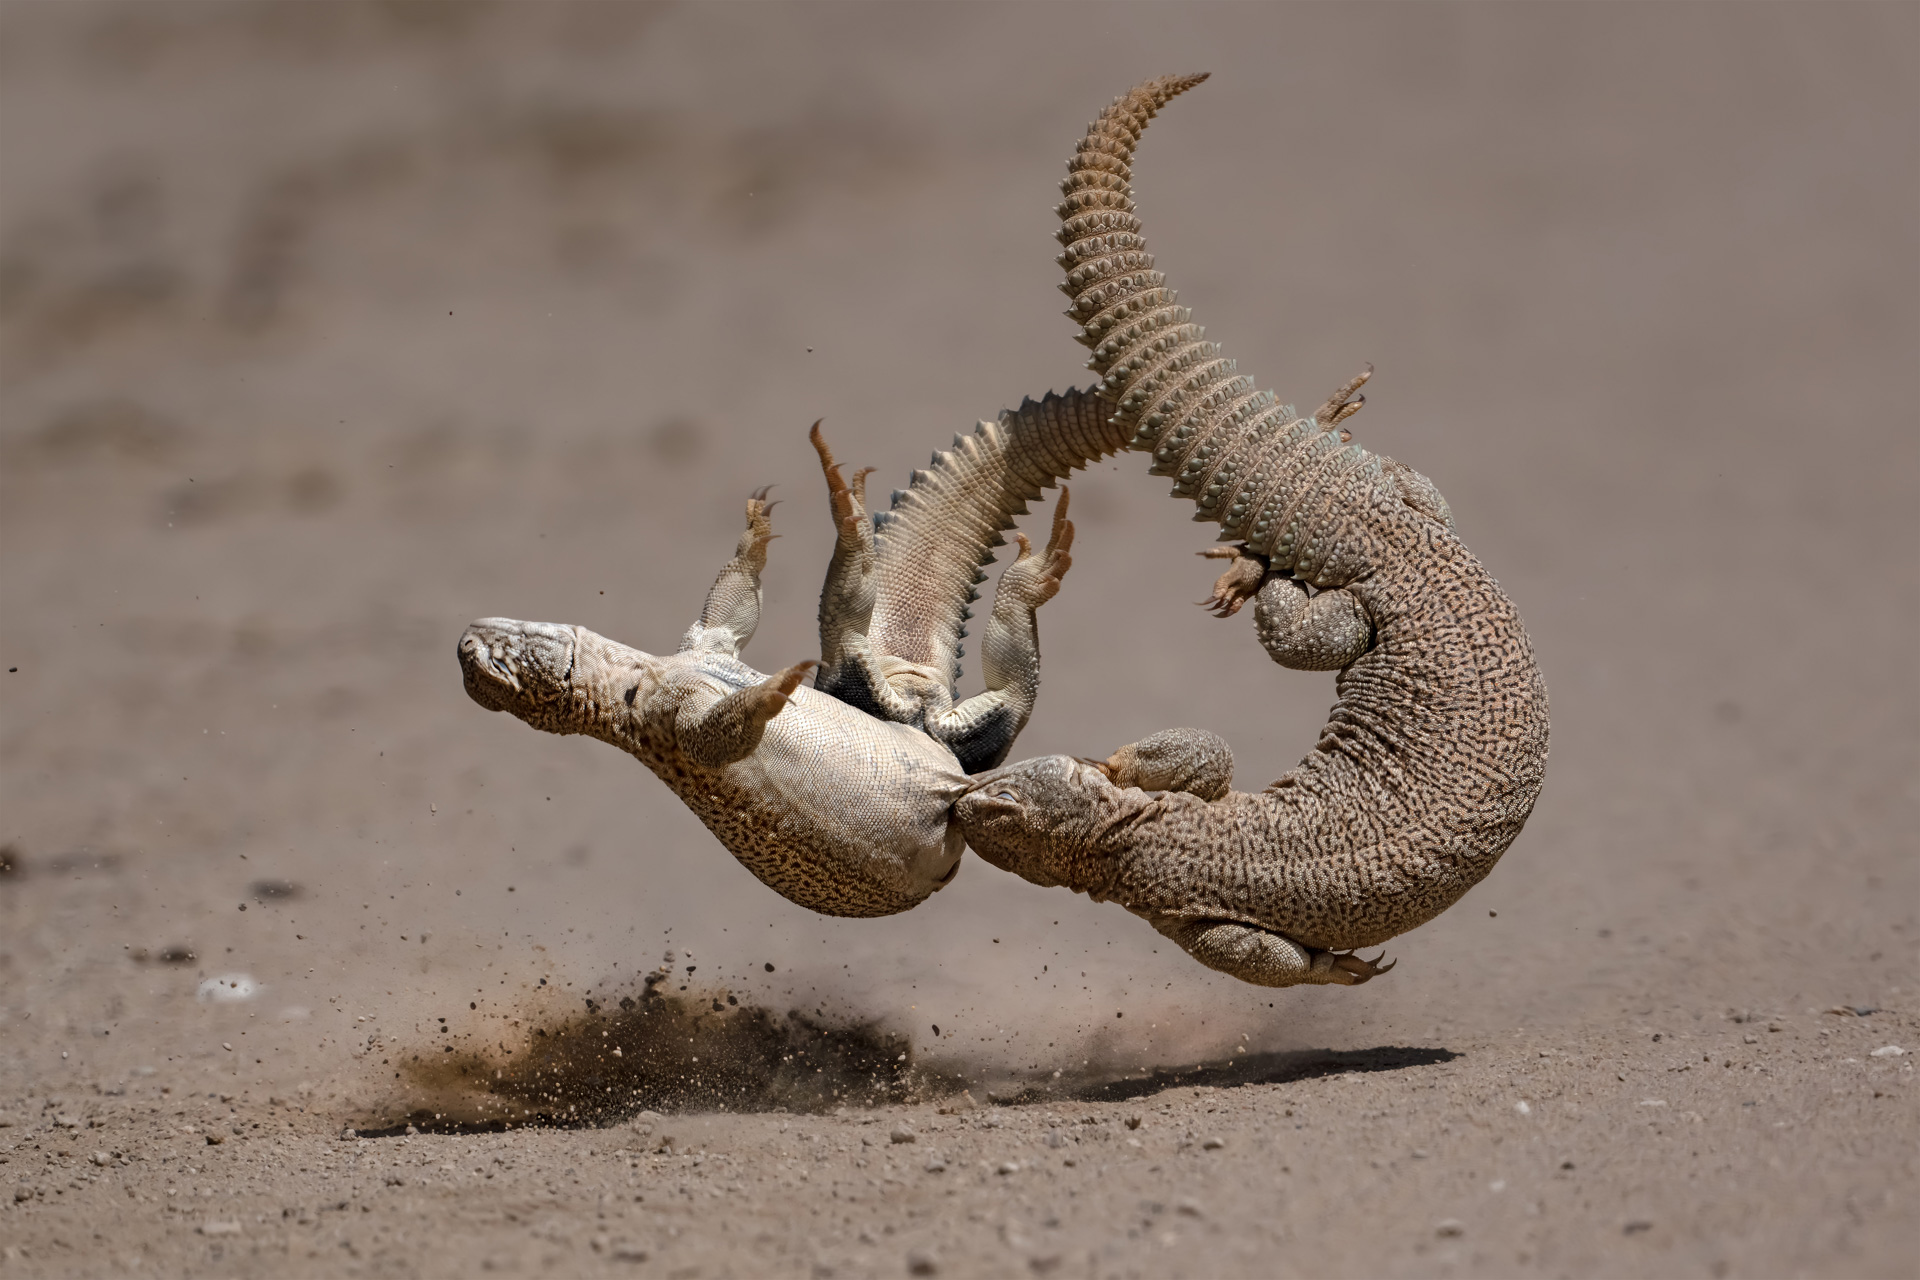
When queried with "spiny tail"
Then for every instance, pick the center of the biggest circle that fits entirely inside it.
(1284, 484)
(933, 546)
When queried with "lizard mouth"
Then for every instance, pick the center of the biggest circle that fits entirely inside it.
(505, 662)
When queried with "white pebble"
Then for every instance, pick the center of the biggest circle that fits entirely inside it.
(1888, 1051)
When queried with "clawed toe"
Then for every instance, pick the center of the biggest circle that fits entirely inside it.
(1345, 402)
(1361, 970)
(1239, 584)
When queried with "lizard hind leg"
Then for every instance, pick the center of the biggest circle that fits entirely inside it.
(1264, 958)
(846, 600)
(1344, 403)
(980, 731)
(849, 668)
(732, 611)
(1192, 760)
(1323, 632)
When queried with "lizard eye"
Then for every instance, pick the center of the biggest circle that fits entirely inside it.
(1008, 796)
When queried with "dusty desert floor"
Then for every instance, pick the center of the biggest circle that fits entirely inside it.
(327, 328)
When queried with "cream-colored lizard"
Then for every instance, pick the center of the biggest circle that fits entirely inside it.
(838, 797)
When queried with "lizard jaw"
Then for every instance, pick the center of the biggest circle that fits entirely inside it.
(515, 666)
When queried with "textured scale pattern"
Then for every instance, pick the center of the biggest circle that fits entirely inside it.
(829, 801)
(1288, 486)
(1435, 750)
(933, 545)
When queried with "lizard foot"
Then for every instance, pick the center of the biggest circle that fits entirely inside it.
(847, 498)
(1034, 577)
(1239, 584)
(1346, 969)
(1344, 403)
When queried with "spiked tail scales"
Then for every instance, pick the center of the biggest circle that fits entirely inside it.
(933, 546)
(1288, 486)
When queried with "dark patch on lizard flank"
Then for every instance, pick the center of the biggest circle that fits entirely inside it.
(850, 685)
(988, 744)
(631, 694)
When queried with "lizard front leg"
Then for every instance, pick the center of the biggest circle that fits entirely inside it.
(980, 731)
(732, 611)
(1264, 958)
(718, 730)
(1194, 760)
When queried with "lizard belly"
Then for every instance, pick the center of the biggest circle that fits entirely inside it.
(835, 810)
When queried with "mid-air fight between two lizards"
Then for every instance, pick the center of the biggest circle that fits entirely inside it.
(853, 797)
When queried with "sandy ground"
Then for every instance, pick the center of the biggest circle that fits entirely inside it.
(326, 328)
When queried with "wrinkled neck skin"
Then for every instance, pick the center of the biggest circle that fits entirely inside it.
(561, 678)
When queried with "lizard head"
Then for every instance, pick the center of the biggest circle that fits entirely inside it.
(1033, 817)
(556, 677)
(525, 668)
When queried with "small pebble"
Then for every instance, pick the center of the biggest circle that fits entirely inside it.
(1448, 1228)
(1888, 1051)
(1134, 1122)
(903, 1134)
(936, 1165)
(1419, 1153)
(1523, 1108)
(1213, 1144)
(215, 1139)
(1010, 1166)
(1190, 1207)
(1749, 1039)
(101, 1158)
(1635, 1227)
(922, 1263)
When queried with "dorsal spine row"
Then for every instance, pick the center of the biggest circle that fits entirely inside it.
(940, 532)
(1284, 484)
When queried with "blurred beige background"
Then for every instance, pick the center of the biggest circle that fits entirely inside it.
(326, 328)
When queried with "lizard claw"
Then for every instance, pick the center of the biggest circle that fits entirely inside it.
(1037, 575)
(847, 498)
(1344, 403)
(1361, 970)
(1239, 584)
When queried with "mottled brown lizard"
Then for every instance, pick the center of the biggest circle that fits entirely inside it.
(1436, 747)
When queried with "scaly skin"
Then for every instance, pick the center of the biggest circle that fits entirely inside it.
(1435, 750)
(839, 810)
(896, 600)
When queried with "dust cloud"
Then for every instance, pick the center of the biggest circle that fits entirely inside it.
(608, 1057)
